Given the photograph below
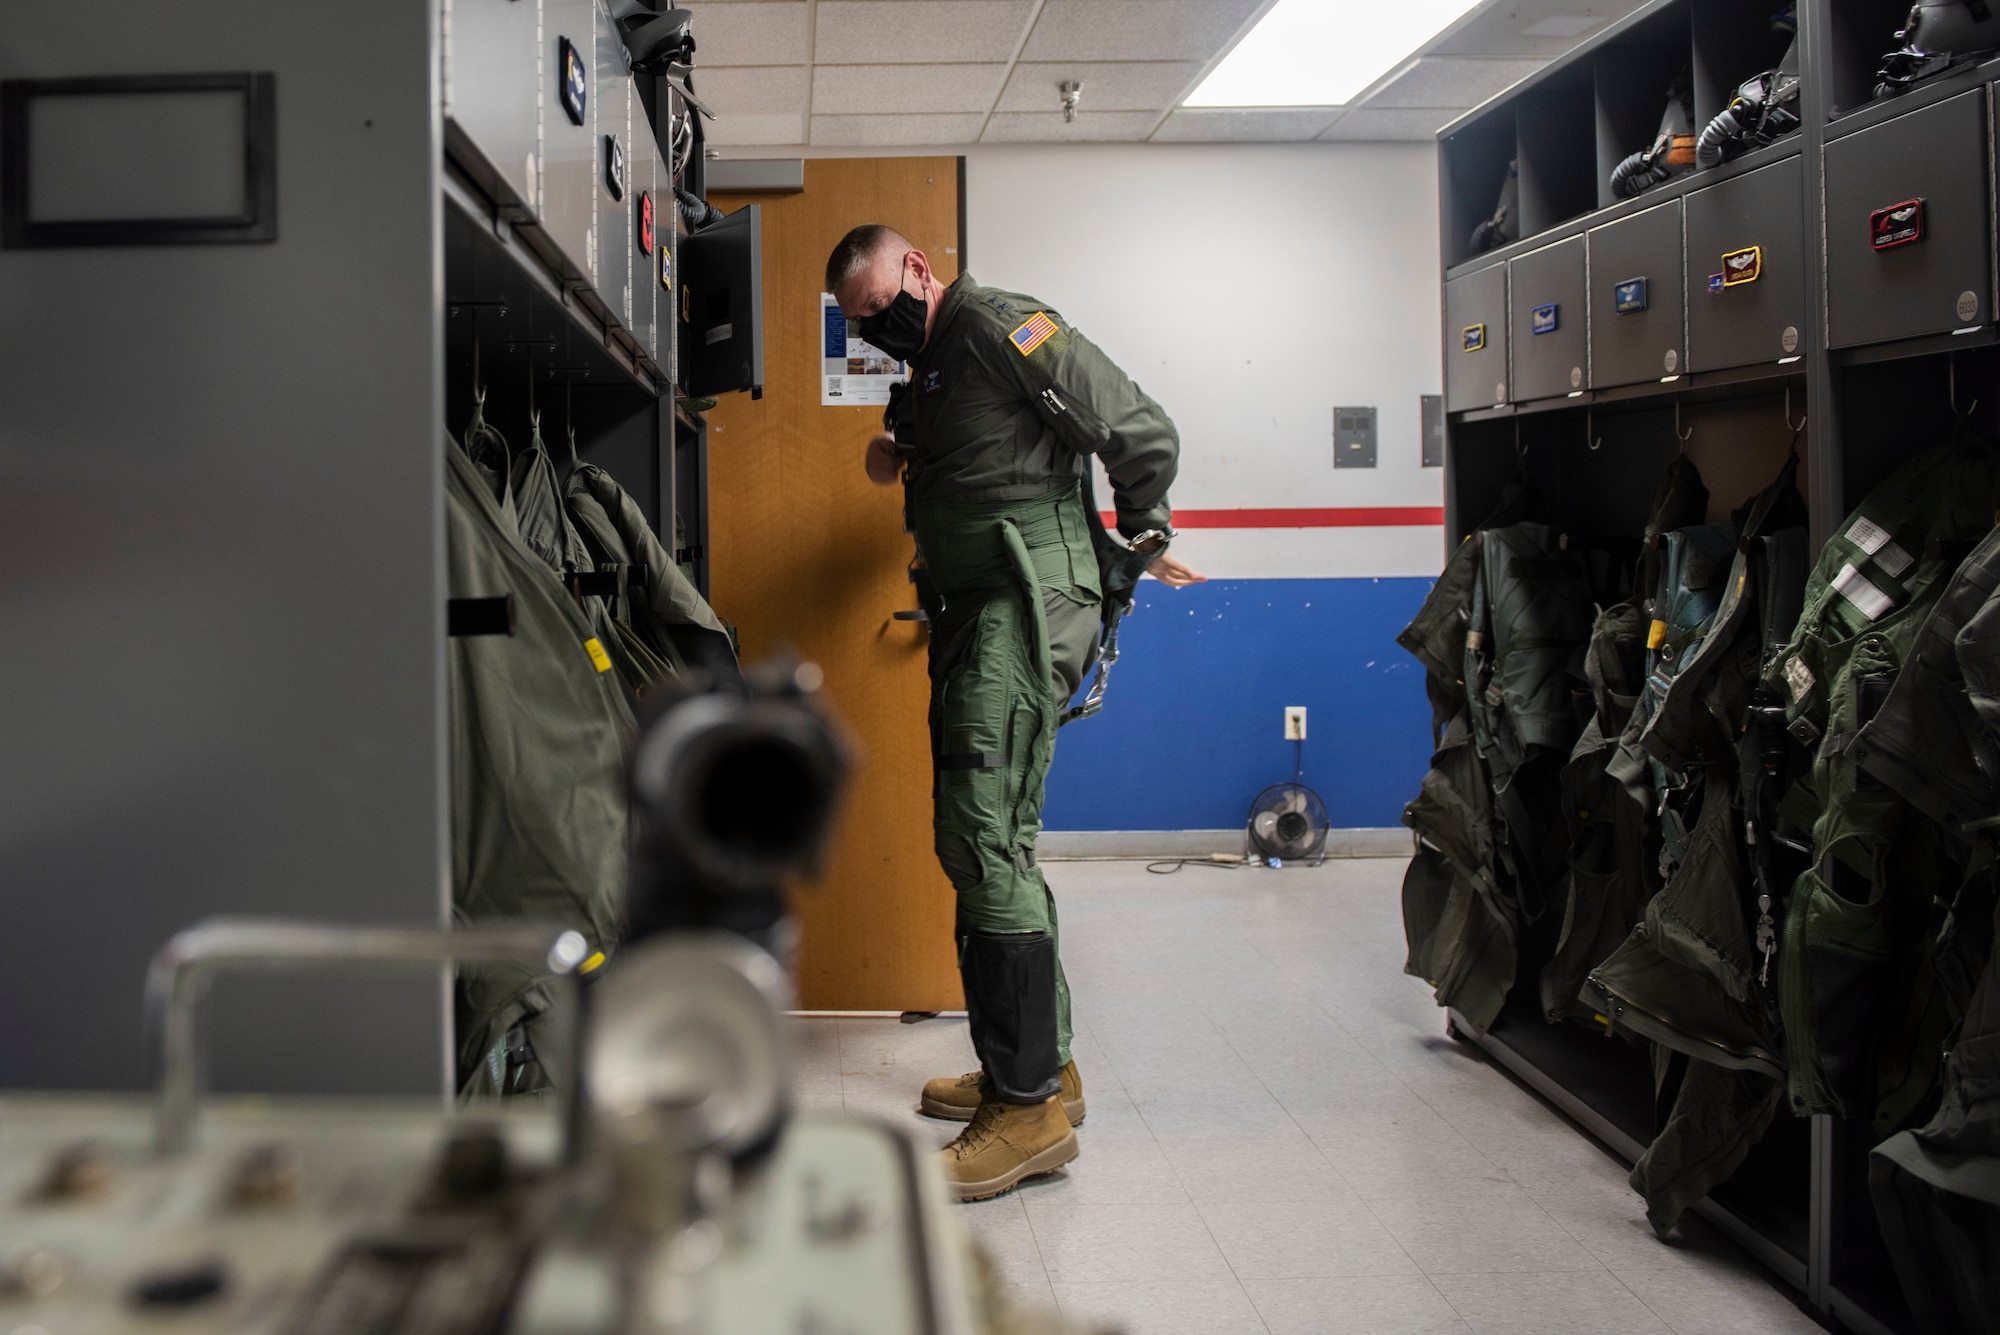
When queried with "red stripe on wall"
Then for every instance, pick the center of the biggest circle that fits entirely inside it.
(1360, 516)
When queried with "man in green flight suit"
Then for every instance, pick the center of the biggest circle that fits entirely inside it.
(990, 439)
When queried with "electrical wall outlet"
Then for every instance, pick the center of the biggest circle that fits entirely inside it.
(1295, 723)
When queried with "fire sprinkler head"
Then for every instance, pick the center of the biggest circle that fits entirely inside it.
(1072, 91)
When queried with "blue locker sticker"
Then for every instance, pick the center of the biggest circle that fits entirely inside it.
(1630, 296)
(572, 81)
(1544, 319)
(1715, 282)
(1473, 337)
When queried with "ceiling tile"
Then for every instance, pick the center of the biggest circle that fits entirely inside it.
(1135, 29)
(892, 89)
(1048, 127)
(1403, 123)
(772, 33)
(894, 131)
(917, 32)
(1128, 86)
(1539, 29)
(1445, 81)
(753, 89)
(746, 130)
(1244, 125)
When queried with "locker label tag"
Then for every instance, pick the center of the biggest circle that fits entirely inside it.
(572, 81)
(645, 222)
(1544, 319)
(1630, 296)
(1472, 338)
(1897, 225)
(1742, 266)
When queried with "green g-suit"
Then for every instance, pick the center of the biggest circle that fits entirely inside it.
(1004, 403)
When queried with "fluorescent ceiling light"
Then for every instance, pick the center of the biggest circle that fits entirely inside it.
(1320, 53)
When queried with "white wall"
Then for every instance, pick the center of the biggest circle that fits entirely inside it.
(1250, 289)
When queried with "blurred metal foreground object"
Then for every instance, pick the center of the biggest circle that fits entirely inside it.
(673, 1193)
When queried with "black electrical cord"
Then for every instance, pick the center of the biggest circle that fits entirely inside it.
(1168, 866)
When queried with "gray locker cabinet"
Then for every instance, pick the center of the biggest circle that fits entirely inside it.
(569, 151)
(493, 70)
(1761, 321)
(614, 210)
(1939, 280)
(1475, 357)
(1546, 287)
(1638, 305)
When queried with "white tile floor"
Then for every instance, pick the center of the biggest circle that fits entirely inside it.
(1282, 1140)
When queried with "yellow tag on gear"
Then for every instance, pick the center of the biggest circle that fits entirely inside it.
(1031, 335)
(1655, 637)
(597, 654)
(593, 964)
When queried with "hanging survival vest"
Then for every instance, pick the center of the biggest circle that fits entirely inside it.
(1524, 650)
(1457, 921)
(1863, 1022)
(1691, 977)
(1937, 1188)
(1614, 840)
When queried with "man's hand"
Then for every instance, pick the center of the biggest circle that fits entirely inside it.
(1174, 574)
(885, 466)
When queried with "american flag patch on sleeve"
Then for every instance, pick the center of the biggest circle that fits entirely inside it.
(1032, 334)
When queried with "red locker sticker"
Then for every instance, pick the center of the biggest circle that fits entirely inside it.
(1897, 225)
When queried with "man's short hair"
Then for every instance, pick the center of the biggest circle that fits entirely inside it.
(858, 249)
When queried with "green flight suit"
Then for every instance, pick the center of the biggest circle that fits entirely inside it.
(1004, 402)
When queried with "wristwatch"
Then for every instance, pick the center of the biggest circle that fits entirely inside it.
(1153, 541)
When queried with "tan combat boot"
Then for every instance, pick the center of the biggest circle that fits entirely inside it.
(1005, 1143)
(956, 1098)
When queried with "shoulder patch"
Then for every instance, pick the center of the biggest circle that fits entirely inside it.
(1031, 335)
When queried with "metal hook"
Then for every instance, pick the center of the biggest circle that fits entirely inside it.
(1951, 364)
(1799, 425)
(1591, 440)
(1682, 436)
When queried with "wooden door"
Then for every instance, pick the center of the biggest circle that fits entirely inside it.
(808, 555)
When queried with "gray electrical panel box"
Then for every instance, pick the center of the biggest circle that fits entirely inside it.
(1353, 437)
(1431, 408)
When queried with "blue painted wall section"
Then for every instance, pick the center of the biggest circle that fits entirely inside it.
(1193, 727)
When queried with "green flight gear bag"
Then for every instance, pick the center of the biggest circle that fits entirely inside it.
(657, 600)
(1861, 1014)
(538, 731)
(546, 528)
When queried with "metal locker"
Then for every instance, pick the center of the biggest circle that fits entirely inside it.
(1547, 321)
(1638, 299)
(492, 67)
(1907, 244)
(1739, 320)
(1475, 359)
(614, 169)
(569, 147)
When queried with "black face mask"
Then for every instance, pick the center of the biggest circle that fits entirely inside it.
(898, 328)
